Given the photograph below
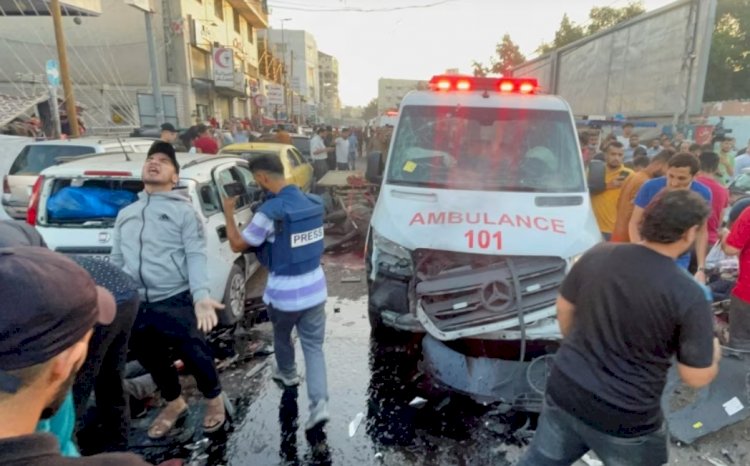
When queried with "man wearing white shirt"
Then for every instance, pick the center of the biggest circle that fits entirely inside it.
(342, 150)
(319, 153)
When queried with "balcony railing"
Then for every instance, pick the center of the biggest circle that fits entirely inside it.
(254, 11)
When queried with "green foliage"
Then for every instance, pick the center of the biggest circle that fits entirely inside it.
(600, 18)
(371, 110)
(728, 75)
(507, 55)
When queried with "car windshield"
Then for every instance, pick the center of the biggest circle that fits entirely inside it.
(36, 157)
(487, 149)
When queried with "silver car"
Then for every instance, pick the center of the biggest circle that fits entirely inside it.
(35, 157)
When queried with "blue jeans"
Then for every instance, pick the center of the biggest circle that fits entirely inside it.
(311, 329)
(561, 439)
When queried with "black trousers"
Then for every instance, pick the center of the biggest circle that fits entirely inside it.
(103, 372)
(168, 329)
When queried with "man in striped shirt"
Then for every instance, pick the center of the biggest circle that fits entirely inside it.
(287, 236)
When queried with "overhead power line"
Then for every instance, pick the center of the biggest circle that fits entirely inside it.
(353, 9)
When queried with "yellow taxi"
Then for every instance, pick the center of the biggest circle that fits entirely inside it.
(296, 169)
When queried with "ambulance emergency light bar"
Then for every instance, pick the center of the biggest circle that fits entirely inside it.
(464, 83)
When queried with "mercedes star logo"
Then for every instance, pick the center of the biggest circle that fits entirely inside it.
(496, 296)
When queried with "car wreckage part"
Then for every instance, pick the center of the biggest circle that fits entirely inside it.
(519, 383)
(724, 402)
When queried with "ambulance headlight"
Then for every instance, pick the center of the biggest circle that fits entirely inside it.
(391, 256)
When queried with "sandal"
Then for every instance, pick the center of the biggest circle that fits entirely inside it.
(166, 421)
(215, 416)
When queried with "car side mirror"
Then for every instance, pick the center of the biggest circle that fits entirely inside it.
(374, 169)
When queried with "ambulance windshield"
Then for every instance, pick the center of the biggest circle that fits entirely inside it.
(486, 149)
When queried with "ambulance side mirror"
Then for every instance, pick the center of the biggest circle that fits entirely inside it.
(374, 170)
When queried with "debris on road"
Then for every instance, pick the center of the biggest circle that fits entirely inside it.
(714, 461)
(591, 461)
(354, 425)
(418, 402)
(256, 370)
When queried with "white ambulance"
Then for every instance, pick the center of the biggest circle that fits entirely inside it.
(483, 209)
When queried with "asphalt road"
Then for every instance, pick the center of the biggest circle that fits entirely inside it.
(385, 410)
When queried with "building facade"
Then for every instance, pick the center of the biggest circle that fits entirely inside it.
(391, 91)
(299, 51)
(330, 103)
(207, 58)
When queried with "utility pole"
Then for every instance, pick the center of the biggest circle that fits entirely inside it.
(283, 57)
(62, 56)
(291, 77)
(155, 84)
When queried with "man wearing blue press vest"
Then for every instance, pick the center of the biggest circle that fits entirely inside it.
(286, 234)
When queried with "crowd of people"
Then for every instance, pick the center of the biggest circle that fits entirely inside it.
(71, 324)
(639, 299)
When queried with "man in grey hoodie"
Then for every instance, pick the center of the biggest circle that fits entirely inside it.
(159, 241)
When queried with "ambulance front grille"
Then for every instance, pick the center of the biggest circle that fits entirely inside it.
(477, 291)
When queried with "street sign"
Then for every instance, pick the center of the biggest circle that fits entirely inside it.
(260, 100)
(223, 67)
(275, 94)
(53, 73)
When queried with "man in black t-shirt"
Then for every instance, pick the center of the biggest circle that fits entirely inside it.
(624, 311)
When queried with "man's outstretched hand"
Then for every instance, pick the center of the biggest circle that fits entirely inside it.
(205, 313)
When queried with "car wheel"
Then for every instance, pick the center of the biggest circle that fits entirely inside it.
(234, 297)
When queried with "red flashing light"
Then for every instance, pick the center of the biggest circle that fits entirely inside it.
(463, 83)
(33, 209)
(106, 173)
(526, 88)
(443, 85)
(506, 86)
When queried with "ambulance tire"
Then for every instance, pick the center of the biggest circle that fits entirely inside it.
(234, 297)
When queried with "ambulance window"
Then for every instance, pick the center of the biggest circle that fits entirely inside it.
(491, 149)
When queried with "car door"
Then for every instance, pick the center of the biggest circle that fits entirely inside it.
(292, 165)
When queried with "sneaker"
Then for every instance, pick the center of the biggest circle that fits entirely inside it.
(318, 415)
(283, 379)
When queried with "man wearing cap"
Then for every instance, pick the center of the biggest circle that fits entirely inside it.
(168, 133)
(159, 241)
(104, 368)
(50, 306)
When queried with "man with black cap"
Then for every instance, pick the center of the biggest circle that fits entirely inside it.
(159, 241)
(49, 307)
(104, 368)
(168, 133)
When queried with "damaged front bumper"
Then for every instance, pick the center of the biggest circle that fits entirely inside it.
(491, 297)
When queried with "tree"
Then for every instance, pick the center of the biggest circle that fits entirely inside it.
(567, 33)
(371, 110)
(600, 18)
(507, 55)
(729, 61)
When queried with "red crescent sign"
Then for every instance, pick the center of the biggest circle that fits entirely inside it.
(220, 58)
